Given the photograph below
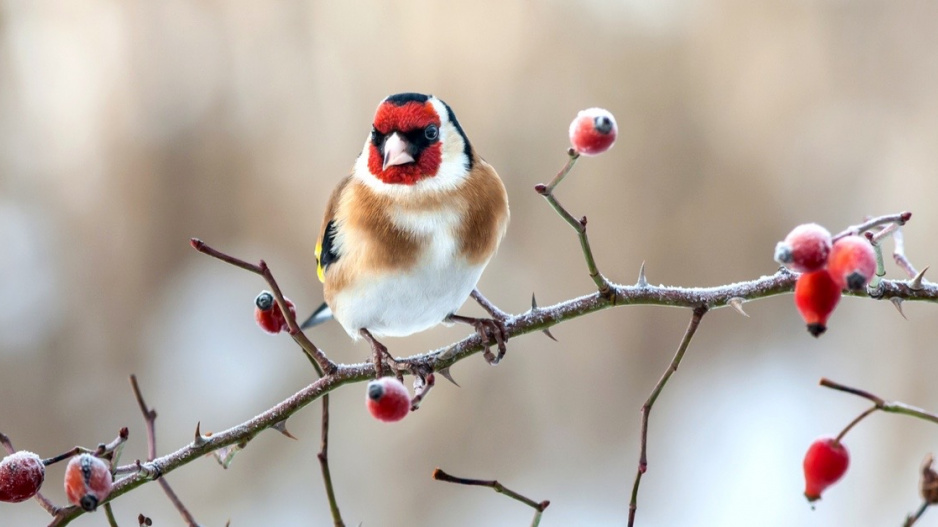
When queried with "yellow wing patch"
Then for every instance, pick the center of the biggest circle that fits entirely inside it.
(319, 271)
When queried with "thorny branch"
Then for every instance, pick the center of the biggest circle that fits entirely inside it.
(781, 282)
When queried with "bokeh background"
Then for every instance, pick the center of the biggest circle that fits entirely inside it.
(128, 127)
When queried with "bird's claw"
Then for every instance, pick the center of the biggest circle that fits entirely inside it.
(490, 329)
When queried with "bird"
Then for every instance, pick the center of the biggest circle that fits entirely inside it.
(407, 234)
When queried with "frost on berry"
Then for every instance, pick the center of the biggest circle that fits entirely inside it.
(388, 399)
(816, 296)
(21, 476)
(825, 463)
(805, 249)
(593, 131)
(852, 262)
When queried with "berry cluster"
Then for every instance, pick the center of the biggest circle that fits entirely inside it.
(88, 479)
(828, 267)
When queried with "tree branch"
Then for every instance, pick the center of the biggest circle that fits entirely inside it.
(781, 282)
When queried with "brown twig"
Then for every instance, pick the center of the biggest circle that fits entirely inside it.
(882, 404)
(698, 314)
(538, 507)
(488, 306)
(579, 225)
(324, 465)
(149, 417)
(261, 269)
(853, 423)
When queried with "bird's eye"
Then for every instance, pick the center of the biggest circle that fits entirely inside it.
(375, 135)
(431, 132)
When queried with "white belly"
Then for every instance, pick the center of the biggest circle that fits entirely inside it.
(397, 304)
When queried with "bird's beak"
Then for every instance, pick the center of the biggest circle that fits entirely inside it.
(395, 152)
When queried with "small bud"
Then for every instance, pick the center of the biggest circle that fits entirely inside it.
(593, 131)
(88, 481)
(929, 485)
(388, 399)
(816, 296)
(852, 262)
(21, 476)
(824, 464)
(805, 249)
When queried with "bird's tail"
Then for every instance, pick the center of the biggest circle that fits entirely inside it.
(322, 314)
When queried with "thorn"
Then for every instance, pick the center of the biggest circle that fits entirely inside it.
(533, 303)
(199, 438)
(282, 428)
(448, 376)
(547, 332)
(896, 301)
(737, 304)
(642, 281)
(916, 283)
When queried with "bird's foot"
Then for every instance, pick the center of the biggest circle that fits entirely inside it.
(489, 329)
(378, 352)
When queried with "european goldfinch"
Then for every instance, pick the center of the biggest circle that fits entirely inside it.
(407, 234)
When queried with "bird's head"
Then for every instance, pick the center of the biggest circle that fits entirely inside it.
(415, 138)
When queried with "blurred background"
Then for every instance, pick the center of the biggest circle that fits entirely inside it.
(128, 127)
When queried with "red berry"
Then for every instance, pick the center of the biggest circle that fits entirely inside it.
(825, 462)
(21, 475)
(88, 481)
(805, 249)
(816, 296)
(593, 131)
(388, 399)
(852, 262)
(267, 312)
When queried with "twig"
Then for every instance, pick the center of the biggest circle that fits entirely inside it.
(899, 219)
(853, 423)
(882, 404)
(324, 465)
(111, 520)
(102, 450)
(149, 417)
(308, 347)
(898, 254)
(911, 519)
(538, 507)
(579, 225)
(488, 306)
(646, 408)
